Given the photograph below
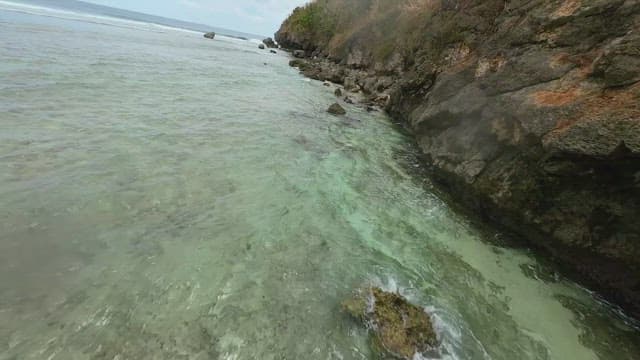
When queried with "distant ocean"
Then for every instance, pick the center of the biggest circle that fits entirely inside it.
(80, 7)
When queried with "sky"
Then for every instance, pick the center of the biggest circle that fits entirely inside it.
(260, 17)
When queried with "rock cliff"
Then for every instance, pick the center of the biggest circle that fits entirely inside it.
(527, 111)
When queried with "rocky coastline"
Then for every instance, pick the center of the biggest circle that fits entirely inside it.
(527, 113)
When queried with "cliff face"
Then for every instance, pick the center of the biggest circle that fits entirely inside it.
(528, 111)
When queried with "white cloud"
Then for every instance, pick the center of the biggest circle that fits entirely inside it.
(265, 12)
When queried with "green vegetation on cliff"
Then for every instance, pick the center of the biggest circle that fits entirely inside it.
(314, 20)
(408, 27)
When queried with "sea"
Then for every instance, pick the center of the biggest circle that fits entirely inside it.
(166, 196)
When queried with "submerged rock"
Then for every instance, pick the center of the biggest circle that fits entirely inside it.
(401, 329)
(210, 35)
(336, 109)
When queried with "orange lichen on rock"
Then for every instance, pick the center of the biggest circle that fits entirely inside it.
(613, 104)
(608, 106)
(560, 59)
(556, 98)
(568, 8)
(490, 65)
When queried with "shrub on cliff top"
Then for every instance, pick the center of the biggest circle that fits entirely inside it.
(314, 20)
(381, 28)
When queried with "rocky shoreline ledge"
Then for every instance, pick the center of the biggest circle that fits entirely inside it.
(528, 113)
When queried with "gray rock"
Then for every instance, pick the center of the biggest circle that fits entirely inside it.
(299, 53)
(338, 92)
(269, 43)
(210, 35)
(619, 65)
(336, 109)
(261, 46)
(273, 51)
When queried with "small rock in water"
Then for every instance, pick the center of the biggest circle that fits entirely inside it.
(336, 109)
(261, 46)
(338, 92)
(269, 42)
(210, 35)
(326, 83)
(401, 329)
(348, 100)
(273, 51)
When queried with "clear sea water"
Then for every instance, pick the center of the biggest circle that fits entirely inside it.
(163, 196)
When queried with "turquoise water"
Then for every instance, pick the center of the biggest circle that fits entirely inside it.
(167, 197)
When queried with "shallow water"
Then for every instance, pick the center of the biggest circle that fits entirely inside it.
(167, 197)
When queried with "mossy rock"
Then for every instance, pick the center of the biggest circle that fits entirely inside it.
(401, 329)
(300, 64)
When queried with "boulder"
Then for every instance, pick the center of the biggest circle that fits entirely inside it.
(338, 92)
(269, 43)
(400, 329)
(299, 53)
(210, 35)
(261, 46)
(336, 109)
